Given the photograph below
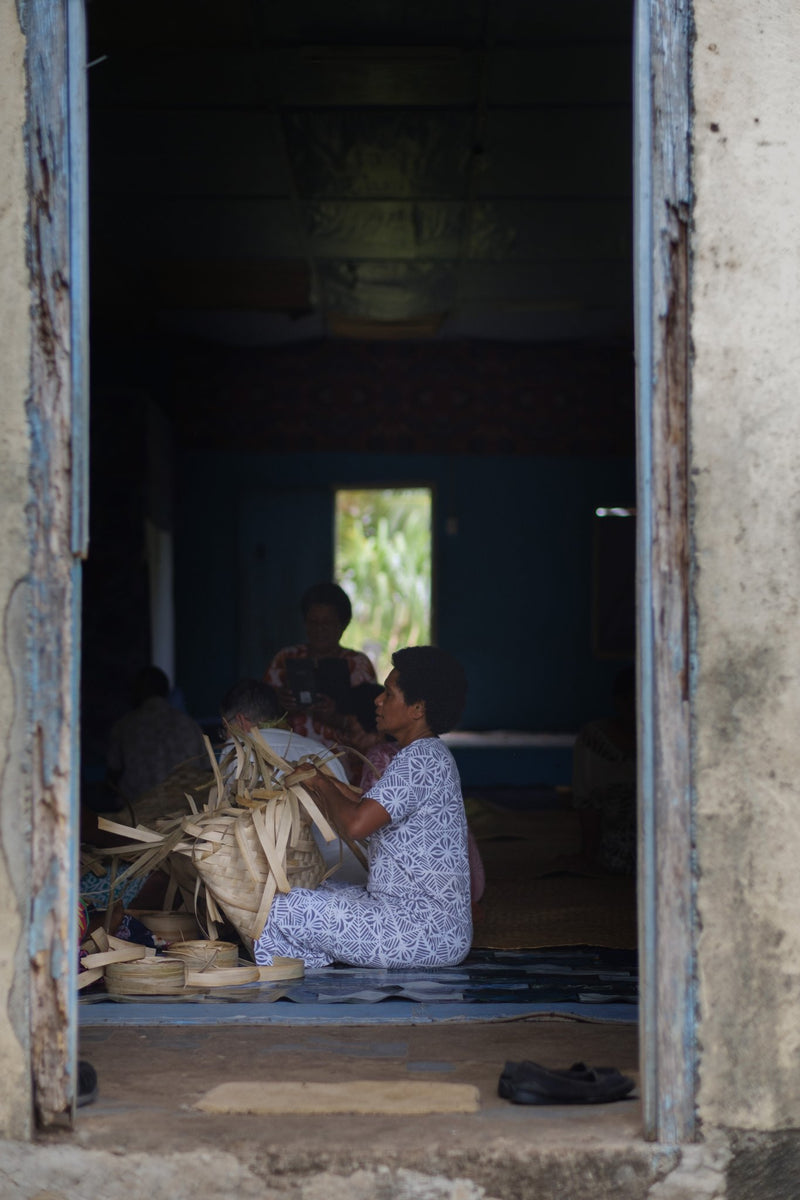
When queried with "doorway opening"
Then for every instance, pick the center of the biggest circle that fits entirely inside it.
(401, 284)
(409, 280)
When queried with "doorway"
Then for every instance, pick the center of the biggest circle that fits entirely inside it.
(373, 284)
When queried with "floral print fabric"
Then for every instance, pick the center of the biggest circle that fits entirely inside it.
(415, 909)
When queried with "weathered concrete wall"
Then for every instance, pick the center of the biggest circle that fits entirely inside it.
(745, 458)
(15, 1098)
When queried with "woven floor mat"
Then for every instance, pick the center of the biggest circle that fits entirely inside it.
(522, 909)
(565, 976)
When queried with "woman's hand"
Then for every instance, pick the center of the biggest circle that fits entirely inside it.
(353, 814)
(319, 783)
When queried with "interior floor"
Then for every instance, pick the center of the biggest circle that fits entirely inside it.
(150, 1079)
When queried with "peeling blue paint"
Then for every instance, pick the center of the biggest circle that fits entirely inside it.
(664, 1099)
(45, 902)
(56, 145)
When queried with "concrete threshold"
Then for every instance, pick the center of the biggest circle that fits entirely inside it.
(145, 1137)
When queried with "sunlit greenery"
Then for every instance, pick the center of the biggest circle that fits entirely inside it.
(383, 562)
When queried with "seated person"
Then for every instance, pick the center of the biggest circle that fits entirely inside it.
(415, 908)
(250, 704)
(326, 612)
(152, 739)
(145, 746)
(361, 732)
(604, 786)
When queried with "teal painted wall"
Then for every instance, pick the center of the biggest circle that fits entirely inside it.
(513, 584)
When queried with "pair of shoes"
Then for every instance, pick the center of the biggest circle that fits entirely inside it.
(530, 1083)
(87, 1083)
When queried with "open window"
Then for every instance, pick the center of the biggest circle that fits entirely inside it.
(383, 558)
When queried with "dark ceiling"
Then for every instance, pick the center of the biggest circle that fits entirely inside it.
(265, 173)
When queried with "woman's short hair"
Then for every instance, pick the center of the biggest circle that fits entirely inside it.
(432, 675)
(332, 595)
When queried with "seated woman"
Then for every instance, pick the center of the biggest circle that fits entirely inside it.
(415, 908)
(361, 731)
(327, 613)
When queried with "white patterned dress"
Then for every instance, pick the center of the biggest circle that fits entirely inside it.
(415, 909)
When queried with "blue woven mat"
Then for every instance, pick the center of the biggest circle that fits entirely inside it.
(593, 983)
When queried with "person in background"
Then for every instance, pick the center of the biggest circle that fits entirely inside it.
(326, 612)
(252, 704)
(152, 739)
(604, 786)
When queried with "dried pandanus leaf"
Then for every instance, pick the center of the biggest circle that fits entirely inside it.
(248, 840)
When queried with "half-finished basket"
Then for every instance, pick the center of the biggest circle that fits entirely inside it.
(251, 839)
(245, 856)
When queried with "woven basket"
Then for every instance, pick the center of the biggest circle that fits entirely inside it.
(170, 926)
(147, 977)
(202, 954)
(255, 854)
(251, 839)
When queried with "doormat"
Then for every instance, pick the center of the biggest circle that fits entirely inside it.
(401, 1098)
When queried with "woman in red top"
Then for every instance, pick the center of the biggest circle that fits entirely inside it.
(326, 612)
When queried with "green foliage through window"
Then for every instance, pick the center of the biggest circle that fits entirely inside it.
(383, 562)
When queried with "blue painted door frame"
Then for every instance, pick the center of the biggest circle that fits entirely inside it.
(55, 34)
(662, 200)
(661, 34)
